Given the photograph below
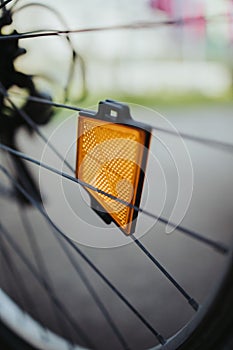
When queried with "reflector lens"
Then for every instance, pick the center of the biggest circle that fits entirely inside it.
(111, 157)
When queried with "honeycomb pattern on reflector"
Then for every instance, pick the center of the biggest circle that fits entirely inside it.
(109, 158)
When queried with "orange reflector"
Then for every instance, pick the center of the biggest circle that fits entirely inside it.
(111, 156)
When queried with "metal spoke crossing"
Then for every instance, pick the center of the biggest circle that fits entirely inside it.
(116, 291)
(220, 247)
(216, 144)
(41, 265)
(43, 282)
(33, 125)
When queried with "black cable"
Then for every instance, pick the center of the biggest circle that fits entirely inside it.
(75, 55)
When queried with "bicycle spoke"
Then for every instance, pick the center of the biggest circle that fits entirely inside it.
(41, 266)
(221, 146)
(5, 277)
(92, 292)
(8, 277)
(158, 336)
(191, 300)
(48, 102)
(5, 191)
(44, 283)
(33, 125)
(17, 281)
(218, 246)
(127, 26)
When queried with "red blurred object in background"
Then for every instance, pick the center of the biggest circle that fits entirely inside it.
(162, 5)
(230, 20)
(201, 25)
(191, 12)
(195, 16)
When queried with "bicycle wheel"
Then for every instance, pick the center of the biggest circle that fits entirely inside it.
(67, 279)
